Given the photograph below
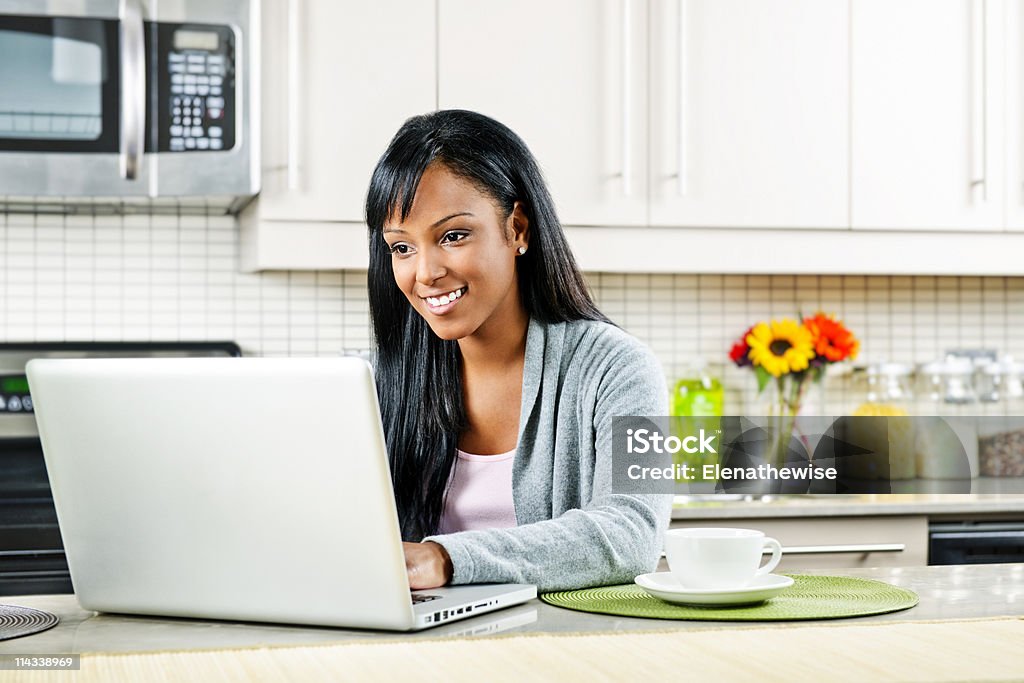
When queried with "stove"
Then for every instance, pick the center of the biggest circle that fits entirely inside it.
(32, 558)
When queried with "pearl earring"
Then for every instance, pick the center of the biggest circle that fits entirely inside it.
(521, 250)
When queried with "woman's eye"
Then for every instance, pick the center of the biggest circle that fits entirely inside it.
(453, 237)
(400, 249)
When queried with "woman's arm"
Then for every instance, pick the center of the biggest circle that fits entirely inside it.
(613, 538)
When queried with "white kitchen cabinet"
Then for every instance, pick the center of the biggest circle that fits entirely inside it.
(792, 120)
(758, 89)
(339, 78)
(570, 77)
(928, 110)
(749, 113)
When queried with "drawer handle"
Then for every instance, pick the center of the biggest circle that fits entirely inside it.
(836, 549)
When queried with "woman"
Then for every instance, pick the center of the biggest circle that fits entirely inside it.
(497, 375)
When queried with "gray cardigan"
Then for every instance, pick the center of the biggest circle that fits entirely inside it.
(572, 530)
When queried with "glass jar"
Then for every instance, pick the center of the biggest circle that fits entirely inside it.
(1001, 437)
(950, 381)
(698, 394)
(947, 442)
(698, 400)
(988, 382)
(890, 384)
(889, 395)
(1011, 385)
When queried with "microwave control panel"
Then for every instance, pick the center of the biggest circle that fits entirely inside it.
(196, 91)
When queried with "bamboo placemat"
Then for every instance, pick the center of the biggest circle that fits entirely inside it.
(810, 597)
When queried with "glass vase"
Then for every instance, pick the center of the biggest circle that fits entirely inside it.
(786, 399)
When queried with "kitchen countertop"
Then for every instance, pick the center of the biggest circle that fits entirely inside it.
(986, 502)
(946, 592)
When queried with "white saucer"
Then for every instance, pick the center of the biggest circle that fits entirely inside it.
(663, 585)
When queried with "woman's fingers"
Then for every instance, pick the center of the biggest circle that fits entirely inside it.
(427, 565)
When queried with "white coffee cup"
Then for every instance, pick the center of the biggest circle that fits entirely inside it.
(710, 558)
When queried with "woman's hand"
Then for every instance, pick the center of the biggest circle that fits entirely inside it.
(427, 564)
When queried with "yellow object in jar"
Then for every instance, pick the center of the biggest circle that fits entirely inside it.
(878, 410)
(891, 442)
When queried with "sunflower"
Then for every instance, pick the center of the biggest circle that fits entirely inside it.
(831, 339)
(784, 346)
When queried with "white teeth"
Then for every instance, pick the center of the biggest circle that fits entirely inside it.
(445, 299)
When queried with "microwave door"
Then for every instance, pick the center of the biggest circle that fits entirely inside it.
(70, 117)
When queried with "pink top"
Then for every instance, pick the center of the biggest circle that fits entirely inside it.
(479, 493)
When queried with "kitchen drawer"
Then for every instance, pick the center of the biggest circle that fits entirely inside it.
(823, 543)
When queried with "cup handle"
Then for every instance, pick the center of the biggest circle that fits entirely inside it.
(776, 557)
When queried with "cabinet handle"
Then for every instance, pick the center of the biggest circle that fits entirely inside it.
(681, 122)
(627, 91)
(292, 168)
(979, 124)
(133, 88)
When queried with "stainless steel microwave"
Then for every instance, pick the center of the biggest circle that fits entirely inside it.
(129, 99)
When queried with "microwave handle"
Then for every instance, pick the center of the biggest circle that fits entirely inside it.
(133, 88)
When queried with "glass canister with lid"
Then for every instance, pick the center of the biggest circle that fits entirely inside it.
(1001, 438)
(950, 381)
(889, 394)
(890, 385)
(1002, 382)
(947, 436)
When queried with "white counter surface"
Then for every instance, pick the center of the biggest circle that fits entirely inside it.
(950, 592)
(993, 497)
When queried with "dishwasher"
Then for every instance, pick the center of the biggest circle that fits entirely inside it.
(975, 542)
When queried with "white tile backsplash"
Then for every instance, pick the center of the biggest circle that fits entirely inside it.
(168, 277)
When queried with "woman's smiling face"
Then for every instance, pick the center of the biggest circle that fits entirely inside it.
(454, 256)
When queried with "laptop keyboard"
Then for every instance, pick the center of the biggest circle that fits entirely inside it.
(417, 598)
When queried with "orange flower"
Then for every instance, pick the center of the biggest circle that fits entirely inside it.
(832, 340)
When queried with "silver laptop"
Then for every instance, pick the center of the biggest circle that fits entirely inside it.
(252, 489)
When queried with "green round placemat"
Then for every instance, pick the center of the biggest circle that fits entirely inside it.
(810, 597)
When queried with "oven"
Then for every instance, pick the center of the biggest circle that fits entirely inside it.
(31, 552)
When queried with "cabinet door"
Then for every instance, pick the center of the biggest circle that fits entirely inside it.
(570, 77)
(749, 113)
(340, 77)
(927, 108)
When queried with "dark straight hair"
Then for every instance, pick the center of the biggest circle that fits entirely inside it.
(418, 374)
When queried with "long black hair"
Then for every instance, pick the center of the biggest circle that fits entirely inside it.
(418, 374)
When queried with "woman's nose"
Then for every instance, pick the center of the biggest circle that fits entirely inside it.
(429, 267)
